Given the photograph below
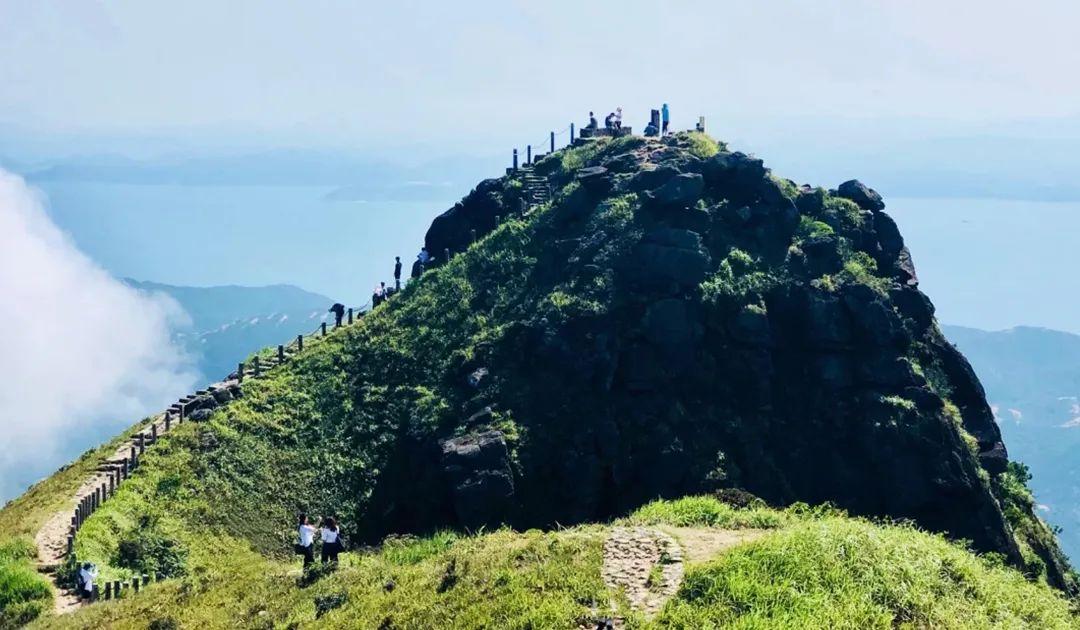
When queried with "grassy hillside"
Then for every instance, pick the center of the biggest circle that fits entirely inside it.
(649, 332)
(818, 568)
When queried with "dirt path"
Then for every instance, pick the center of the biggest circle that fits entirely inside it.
(51, 539)
(648, 563)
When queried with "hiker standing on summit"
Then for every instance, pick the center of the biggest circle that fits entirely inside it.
(665, 117)
(397, 272)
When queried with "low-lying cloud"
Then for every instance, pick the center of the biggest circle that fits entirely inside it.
(81, 354)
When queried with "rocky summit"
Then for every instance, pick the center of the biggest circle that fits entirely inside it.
(623, 323)
(693, 322)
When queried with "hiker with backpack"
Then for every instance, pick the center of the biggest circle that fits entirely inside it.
(339, 311)
(87, 573)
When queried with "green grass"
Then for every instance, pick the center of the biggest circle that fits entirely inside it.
(702, 145)
(845, 573)
(707, 512)
(498, 580)
(23, 593)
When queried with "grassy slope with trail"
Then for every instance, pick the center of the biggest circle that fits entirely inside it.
(818, 568)
(213, 503)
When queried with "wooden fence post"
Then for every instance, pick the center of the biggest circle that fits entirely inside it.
(323, 326)
(116, 589)
(281, 353)
(240, 372)
(153, 432)
(528, 154)
(473, 233)
(135, 583)
(180, 414)
(515, 160)
(552, 142)
(142, 443)
(255, 367)
(299, 343)
(108, 591)
(112, 485)
(571, 133)
(70, 545)
(168, 421)
(350, 317)
(131, 466)
(145, 579)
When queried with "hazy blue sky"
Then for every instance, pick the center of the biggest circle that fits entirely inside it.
(394, 74)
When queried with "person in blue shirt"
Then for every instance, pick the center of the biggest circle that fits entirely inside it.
(665, 117)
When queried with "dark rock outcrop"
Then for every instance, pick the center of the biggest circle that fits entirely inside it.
(866, 197)
(477, 469)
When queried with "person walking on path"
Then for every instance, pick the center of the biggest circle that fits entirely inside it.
(397, 272)
(331, 540)
(665, 118)
(339, 311)
(306, 546)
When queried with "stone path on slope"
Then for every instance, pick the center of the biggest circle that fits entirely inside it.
(51, 539)
(648, 563)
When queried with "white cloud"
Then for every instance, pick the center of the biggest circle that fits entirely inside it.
(81, 354)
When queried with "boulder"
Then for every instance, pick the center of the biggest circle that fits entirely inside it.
(200, 415)
(866, 197)
(890, 241)
(651, 179)
(222, 395)
(477, 211)
(594, 179)
(669, 259)
(680, 190)
(477, 469)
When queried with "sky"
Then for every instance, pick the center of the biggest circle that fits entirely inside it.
(443, 76)
(136, 140)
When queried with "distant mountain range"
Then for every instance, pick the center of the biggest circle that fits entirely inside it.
(229, 322)
(1032, 381)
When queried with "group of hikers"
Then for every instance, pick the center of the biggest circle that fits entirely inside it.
(613, 122)
(329, 534)
(381, 291)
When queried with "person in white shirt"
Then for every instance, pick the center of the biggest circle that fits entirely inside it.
(618, 118)
(306, 547)
(86, 576)
(331, 540)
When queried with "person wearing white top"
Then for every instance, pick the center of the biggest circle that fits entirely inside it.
(86, 575)
(331, 543)
(306, 547)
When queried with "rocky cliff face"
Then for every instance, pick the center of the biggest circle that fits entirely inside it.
(699, 323)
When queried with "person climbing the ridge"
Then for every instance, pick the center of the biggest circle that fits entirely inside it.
(331, 540)
(618, 118)
(378, 295)
(307, 541)
(87, 573)
(665, 118)
(421, 261)
(397, 272)
(339, 311)
(592, 122)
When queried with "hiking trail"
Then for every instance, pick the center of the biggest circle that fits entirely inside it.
(648, 563)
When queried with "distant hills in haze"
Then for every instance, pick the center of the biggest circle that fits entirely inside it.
(229, 322)
(1032, 381)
